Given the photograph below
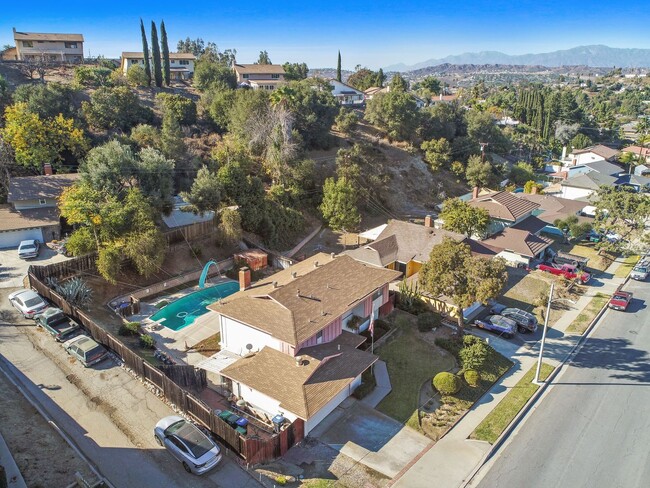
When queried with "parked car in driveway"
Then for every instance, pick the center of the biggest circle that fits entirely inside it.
(620, 300)
(28, 249)
(185, 441)
(526, 321)
(59, 325)
(86, 350)
(28, 302)
(498, 324)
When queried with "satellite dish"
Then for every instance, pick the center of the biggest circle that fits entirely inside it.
(249, 347)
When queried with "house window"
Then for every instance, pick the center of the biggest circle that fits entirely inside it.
(401, 267)
(71, 45)
(245, 75)
(42, 201)
(319, 337)
(184, 62)
(275, 77)
(28, 44)
(377, 294)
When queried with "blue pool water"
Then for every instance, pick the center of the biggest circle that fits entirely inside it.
(185, 310)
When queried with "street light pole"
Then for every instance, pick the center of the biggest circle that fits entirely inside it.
(541, 347)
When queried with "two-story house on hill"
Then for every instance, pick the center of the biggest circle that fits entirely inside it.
(181, 65)
(288, 344)
(54, 48)
(259, 76)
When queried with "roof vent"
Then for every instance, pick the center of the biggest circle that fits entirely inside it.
(323, 313)
(333, 255)
(294, 274)
(298, 292)
(275, 284)
(315, 264)
(298, 360)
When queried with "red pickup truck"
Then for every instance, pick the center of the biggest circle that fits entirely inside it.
(620, 300)
(569, 271)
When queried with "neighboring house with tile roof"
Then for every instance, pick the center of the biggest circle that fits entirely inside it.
(259, 76)
(181, 65)
(32, 212)
(56, 48)
(291, 339)
(638, 151)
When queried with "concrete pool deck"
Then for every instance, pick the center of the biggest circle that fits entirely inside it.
(174, 343)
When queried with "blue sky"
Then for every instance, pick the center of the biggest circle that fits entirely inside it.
(371, 33)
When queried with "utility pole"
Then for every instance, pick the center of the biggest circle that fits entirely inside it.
(483, 146)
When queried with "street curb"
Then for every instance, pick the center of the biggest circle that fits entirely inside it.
(540, 391)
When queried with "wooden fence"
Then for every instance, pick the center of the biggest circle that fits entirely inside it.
(253, 449)
(190, 232)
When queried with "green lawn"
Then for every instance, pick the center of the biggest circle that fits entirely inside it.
(597, 262)
(500, 417)
(411, 361)
(627, 265)
(582, 321)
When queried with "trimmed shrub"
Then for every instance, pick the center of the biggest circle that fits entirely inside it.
(147, 341)
(470, 339)
(428, 321)
(446, 383)
(452, 345)
(129, 329)
(472, 377)
(474, 355)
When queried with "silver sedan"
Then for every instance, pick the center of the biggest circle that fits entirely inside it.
(195, 450)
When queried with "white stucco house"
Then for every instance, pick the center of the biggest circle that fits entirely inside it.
(181, 65)
(346, 94)
(287, 344)
(53, 48)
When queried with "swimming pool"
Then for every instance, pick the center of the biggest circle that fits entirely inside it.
(185, 310)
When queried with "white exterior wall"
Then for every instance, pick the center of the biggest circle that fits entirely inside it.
(513, 258)
(585, 158)
(235, 336)
(173, 63)
(319, 416)
(338, 90)
(572, 193)
(54, 49)
(26, 204)
(261, 401)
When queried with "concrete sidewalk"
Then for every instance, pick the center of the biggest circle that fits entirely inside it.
(452, 459)
(383, 387)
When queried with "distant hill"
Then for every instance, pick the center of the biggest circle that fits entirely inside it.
(595, 56)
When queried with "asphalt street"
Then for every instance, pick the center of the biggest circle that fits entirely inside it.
(591, 428)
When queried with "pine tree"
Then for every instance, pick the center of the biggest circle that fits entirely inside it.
(165, 53)
(338, 68)
(145, 52)
(155, 54)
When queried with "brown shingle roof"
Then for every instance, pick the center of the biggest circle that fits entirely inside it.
(519, 241)
(294, 309)
(325, 370)
(415, 241)
(11, 219)
(599, 149)
(39, 36)
(35, 187)
(139, 55)
(504, 205)
(259, 68)
(552, 207)
(380, 253)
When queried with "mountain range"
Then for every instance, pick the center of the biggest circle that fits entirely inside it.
(596, 56)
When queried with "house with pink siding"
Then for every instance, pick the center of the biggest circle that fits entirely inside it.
(289, 343)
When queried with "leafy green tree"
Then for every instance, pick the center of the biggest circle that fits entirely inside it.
(347, 121)
(164, 47)
(155, 176)
(109, 168)
(194, 46)
(474, 355)
(155, 55)
(36, 141)
(437, 153)
(339, 205)
(145, 52)
(171, 138)
(580, 141)
(481, 128)
(381, 78)
(205, 194)
(458, 168)
(459, 216)
(47, 100)
(92, 76)
(338, 68)
(522, 172)
(622, 211)
(429, 86)
(572, 228)
(452, 271)
(145, 135)
(263, 58)
(532, 184)
(363, 78)
(178, 106)
(136, 76)
(214, 76)
(115, 108)
(395, 113)
(295, 71)
(230, 230)
(398, 84)
(478, 173)
(442, 120)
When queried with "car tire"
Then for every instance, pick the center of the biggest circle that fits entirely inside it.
(158, 441)
(187, 468)
(521, 329)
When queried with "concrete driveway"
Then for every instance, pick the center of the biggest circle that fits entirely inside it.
(370, 437)
(13, 269)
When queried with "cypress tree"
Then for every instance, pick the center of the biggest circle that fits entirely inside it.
(145, 52)
(165, 53)
(338, 68)
(380, 78)
(155, 54)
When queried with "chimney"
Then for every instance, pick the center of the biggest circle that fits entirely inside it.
(563, 152)
(475, 193)
(428, 221)
(244, 278)
(47, 169)
(534, 190)
(298, 360)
